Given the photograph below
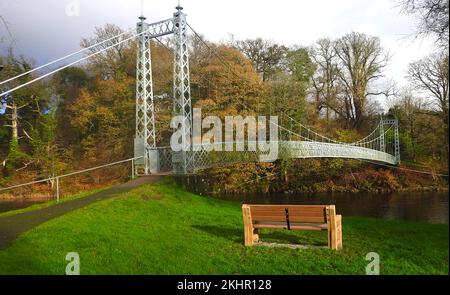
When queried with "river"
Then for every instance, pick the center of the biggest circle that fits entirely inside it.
(431, 207)
(14, 204)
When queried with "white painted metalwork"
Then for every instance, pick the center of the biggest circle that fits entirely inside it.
(302, 144)
(58, 177)
(183, 161)
(145, 119)
(65, 57)
(145, 139)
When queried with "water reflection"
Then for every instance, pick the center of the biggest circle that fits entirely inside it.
(429, 207)
(14, 204)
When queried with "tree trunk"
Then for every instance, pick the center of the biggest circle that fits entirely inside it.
(14, 117)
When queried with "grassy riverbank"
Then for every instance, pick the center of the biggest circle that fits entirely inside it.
(162, 229)
(52, 202)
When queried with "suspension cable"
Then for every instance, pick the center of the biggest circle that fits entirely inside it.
(332, 140)
(64, 57)
(70, 64)
(243, 104)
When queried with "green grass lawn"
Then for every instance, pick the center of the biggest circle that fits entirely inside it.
(162, 229)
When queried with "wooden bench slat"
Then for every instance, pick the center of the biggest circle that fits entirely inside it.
(299, 210)
(270, 218)
(286, 206)
(280, 225)
(314, 214)
(292, 211)
(312, 219)
(291, 216)
(269, 213)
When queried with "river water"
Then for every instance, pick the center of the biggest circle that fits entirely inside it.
(429, 207)
(14, 204)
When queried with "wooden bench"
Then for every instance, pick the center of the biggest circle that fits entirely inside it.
(292, 217)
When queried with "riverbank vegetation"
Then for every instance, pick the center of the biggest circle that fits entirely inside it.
(312, 176)
(162, 229)
(84, 116)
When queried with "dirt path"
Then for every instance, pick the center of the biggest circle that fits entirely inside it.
(14, 225)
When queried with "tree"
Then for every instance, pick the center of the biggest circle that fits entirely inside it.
(20, 110)
(227, 85)
(117, 59)
(407, 108)
(421, 132)
(325, 81)
(431, 74)
(104, 117)
(300, 65)
(43, 140)
(288, 90)
(266, 56)
(66, 86)
(433, 18)
(362, 60)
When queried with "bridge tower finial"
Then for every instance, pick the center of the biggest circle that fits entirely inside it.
(142, 17)
(179, 7)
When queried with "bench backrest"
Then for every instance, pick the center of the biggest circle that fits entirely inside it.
(293, 213)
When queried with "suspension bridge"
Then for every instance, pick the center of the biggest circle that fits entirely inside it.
(293, 140)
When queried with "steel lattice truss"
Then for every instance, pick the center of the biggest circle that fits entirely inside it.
(182, 161)
(145, 120)
(308, 144)
(145, 138)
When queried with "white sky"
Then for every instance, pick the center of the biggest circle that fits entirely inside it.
(44, 31)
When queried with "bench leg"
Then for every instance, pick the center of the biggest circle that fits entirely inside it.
(248, 236)
(334, 225)
(248, 228)
(255, 235)
(335, 234)
(329, 237)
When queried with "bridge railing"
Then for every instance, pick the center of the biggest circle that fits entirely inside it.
(56, 179)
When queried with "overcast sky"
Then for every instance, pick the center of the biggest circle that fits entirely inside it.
(47, 29)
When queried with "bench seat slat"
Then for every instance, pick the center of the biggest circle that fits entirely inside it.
(287, 206)
(295, 225)
(300, 219)
(292, 217)
(291, 211)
